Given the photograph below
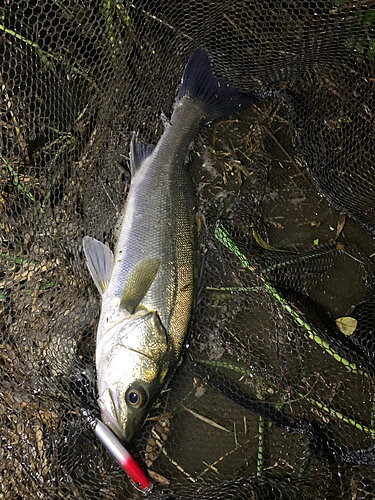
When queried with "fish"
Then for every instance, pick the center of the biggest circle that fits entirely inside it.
(148, 284)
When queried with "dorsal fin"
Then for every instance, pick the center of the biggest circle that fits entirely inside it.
(138, 282)
(138, 154)
(165, 120)
(99, 261)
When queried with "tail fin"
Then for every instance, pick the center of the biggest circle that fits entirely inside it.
(220, 97)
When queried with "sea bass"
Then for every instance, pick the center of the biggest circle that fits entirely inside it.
(147, 285)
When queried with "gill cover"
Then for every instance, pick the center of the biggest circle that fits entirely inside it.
(133, 360)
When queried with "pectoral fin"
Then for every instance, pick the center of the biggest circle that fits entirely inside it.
(99, 261)
(139, 281)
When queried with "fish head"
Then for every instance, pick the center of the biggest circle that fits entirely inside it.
(133, 360)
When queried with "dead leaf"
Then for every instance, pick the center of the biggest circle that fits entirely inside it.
(346, 325)
(158, 477)
(198, 222)
(265, 245)
(340, 225)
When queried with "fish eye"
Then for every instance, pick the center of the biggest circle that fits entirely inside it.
(136, 396)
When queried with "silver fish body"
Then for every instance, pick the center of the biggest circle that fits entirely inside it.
(158, 225)
(147, 286)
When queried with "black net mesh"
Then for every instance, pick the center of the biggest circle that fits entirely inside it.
(274, 396)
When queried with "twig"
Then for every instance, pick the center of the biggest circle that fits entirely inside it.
(211, 467)
(178, 466)
(204, 419)
(224, 456)
(148, 14)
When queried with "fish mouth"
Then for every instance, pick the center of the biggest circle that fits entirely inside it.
(129, 432)
(110, 418)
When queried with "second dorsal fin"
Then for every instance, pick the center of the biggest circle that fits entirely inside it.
(138, 154)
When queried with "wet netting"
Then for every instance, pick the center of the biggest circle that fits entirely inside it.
(274, 397)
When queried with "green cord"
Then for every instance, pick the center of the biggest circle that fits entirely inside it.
(222, 235)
